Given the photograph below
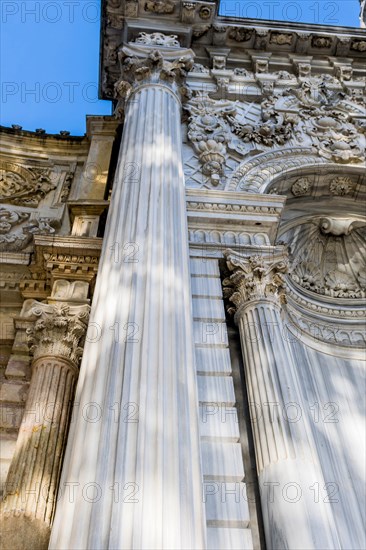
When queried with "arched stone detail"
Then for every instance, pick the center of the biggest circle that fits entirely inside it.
(257, 175)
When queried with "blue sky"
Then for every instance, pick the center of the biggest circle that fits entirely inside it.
(50, 54)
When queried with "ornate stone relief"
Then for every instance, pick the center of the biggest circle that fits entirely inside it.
(254, 278)
(239, 34)
(209, 132)
(317, 115)
(256, 174)
(281, 38)
(160, 6)
(327, 330)
(14, 238)
(158, 39)
(24, 186)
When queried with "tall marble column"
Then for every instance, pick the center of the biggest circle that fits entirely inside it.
(131, 476)
(54, 333)
(289, 472)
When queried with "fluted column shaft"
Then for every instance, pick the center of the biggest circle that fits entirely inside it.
(287, 465)
(142, 454)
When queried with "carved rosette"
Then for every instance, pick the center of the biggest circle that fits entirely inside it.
(254, 278)
(58, 331)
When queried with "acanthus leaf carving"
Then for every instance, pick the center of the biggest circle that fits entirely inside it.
(58, 330)
(254, 278)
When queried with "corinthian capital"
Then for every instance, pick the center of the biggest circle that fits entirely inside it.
(57, 330)
(254, 278)
(152, 62)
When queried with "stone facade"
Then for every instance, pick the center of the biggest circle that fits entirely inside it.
(183, 294)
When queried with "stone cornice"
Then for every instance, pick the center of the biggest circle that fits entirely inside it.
(197, 26)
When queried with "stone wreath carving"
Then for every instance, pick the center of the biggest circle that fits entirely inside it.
(15, 241)
(24, 186)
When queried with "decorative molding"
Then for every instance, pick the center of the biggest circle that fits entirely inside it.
(235, 208)
(215, 237)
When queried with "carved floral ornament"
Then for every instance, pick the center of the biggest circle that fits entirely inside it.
(24, 186)
(318, 116)
(338, 186)
(254, 278)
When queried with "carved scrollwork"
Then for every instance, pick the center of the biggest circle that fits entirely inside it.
(14, 241)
